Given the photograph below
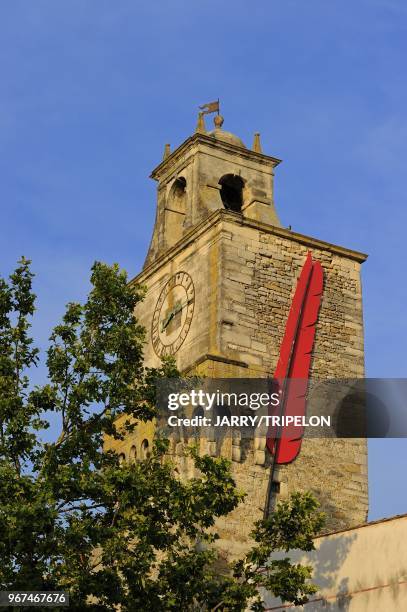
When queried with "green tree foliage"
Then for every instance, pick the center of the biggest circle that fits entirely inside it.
(116, 536)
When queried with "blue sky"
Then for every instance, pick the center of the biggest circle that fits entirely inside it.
(90, 92)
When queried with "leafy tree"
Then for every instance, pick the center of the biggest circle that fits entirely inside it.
(116, 536)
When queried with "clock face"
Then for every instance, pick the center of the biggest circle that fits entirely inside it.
(173, 314)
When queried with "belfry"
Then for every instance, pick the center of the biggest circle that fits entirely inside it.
(220, 274)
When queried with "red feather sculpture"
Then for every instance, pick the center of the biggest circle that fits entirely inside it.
(292, 371)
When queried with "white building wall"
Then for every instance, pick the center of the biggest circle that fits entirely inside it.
(358, 570)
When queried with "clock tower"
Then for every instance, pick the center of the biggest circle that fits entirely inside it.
(220, 274)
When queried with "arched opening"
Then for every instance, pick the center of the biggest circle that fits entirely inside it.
(122, 458)
(133, 454)
(144, 452)
(176, 210)
(179, 190)
(232, 192)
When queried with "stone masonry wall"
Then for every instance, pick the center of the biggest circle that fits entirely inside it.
(259, 275)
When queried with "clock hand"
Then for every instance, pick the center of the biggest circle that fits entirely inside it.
(172, 314)
(181, 306)
(167, 321)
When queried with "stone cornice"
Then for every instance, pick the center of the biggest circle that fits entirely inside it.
(219, 359)
(305, 240)
(221, 215)
(198, 138)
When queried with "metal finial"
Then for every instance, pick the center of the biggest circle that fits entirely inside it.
(218, 121)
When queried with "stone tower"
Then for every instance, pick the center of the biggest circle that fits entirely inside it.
(219, 250)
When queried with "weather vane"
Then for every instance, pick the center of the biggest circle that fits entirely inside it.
(210, 107)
